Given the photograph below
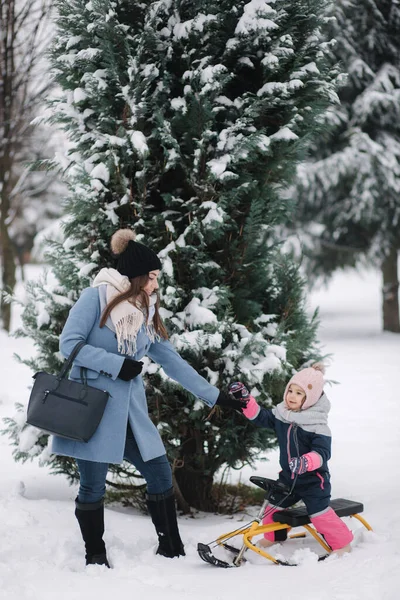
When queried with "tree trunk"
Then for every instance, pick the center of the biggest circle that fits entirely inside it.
(7, 270)
(196, 488)
(390, 293)
(192, 473)
(19, 257)
(182, 504)
(7, 252)
(7, 151)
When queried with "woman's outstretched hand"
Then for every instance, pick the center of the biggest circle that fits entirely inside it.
(229, 401)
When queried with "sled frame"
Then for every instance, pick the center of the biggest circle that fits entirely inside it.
(257, 528)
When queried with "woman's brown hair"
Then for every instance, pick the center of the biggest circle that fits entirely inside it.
(140, 299)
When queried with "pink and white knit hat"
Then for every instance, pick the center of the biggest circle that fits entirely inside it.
(311, 380)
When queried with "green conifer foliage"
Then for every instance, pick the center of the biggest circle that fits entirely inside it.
(187, 119)
(351, 187)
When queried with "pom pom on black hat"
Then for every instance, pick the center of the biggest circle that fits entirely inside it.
(133, 259)
(120, 240)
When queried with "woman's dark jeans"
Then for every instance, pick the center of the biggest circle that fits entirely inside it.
(156, 472)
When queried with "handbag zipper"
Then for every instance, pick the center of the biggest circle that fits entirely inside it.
(50, 392)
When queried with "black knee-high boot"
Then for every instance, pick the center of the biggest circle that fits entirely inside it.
(91, 522)
(163, 514)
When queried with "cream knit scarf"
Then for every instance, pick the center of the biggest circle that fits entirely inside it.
(126, 317)
(313, 419)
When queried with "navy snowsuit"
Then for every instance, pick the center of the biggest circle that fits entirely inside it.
(313, 487)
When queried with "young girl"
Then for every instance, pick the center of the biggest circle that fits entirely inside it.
(119, 320)
(300, 423)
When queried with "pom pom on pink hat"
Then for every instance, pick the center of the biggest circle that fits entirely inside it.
(311, 380)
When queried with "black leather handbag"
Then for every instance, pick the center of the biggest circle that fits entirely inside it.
(69, 409)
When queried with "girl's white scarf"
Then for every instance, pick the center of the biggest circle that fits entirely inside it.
(126, 317)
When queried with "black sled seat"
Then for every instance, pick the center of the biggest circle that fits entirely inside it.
(298, 517)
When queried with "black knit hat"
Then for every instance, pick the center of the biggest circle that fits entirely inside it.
(133, 259)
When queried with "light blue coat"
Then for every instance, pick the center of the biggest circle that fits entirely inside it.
(127, 398)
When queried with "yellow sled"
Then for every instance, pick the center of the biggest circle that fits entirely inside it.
(284, 519)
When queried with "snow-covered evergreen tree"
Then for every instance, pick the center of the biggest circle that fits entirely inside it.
(350, 191)
(187, 119)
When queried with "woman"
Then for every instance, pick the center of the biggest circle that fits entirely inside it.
(119, 320)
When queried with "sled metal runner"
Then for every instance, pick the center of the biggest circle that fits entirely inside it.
(283, 520)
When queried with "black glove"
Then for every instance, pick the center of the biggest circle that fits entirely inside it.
(130, 369)
(229, 401)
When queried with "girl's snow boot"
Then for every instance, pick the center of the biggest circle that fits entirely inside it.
(163, 514)
(91, 522)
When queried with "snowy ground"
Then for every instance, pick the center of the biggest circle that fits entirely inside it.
(41, 551)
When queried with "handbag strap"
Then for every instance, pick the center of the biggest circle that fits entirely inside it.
(68, 363)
